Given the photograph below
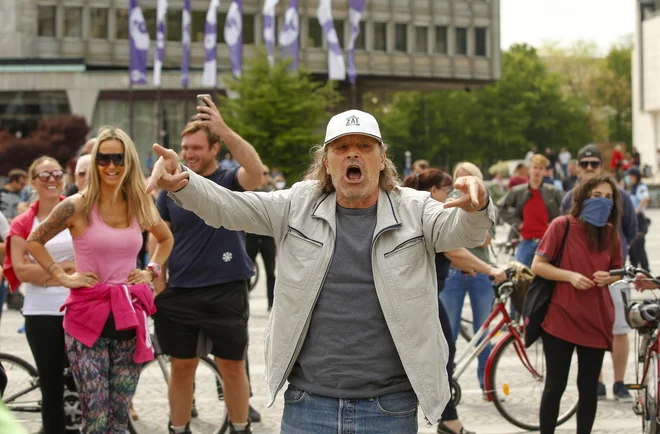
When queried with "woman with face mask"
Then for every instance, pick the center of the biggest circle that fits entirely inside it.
(581, 313)
(439, 184)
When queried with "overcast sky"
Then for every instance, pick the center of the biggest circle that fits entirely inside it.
(534, 21)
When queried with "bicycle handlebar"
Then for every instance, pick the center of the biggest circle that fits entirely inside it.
(631, 272)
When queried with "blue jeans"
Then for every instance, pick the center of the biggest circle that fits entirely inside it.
(526, 251)
(305, 413)
(481, 295)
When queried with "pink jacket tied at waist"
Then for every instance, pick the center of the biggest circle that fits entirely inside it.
(87, 310)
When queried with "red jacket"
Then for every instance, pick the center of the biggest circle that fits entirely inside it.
(87, 310)
(21, 226)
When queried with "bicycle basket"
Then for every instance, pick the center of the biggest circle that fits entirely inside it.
(521, 280)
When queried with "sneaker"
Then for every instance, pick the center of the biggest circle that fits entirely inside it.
(170, 430)
(444, 429)
(621, 393)
(254, 415)
(247, 429)
(22, 329)
(602, 391)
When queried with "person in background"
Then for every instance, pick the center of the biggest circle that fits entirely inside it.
(571, 177)
(640, 196)
(106, 312)
(520, 176)
(82, 167)
(530, 208)
(617, 162)
(4, 230)
(550, 178)
(478, 287)
(265, 245)
(439, 184)
(10, 194)
(581, 315)
(43, 294)
(636, 158)
(530, 154)
(278, 180)
(564, 161)
(229, 163)
(420, 166)
(551, 156)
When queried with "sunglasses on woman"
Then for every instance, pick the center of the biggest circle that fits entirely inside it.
(105, 159)
(45, 175)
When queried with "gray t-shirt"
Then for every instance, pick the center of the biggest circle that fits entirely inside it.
(348, 351)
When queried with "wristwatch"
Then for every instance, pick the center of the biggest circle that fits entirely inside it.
(155, 269)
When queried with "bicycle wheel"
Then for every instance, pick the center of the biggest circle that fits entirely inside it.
(22, 393)
(517, 393)
(650, 417)
(151, 398)
(465, 330)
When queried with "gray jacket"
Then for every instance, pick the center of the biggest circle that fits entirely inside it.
(410, 228)
(511, 206)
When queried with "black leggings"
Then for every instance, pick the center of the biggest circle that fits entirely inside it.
(450, 410)
(266, 246)
(45, 336)
(558, 353)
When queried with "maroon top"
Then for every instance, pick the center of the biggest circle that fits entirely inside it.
(517, 180)
(534, 217)
(586, 317)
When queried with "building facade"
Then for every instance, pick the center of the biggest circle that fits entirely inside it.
(646, 84)
(71, 56)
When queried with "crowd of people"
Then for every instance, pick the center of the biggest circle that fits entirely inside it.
(97, 257)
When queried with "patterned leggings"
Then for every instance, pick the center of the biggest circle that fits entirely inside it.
(107, 378)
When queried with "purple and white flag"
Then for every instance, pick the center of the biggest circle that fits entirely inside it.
(138, 43)
(354, 15)
(161, 15)
(290, 33)
(336, 65)
(234, 36)
(269, 28)
(185, 43)
(210, 73)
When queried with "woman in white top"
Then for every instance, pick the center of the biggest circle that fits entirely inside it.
(41, 308)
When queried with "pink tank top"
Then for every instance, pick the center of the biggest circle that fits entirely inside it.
(109, 252)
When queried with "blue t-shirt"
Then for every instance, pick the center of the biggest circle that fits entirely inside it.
(202, 255)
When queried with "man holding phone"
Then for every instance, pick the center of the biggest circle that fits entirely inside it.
(205, 297)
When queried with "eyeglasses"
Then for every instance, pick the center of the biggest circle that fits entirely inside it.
(593, 164)
(45, 176)
(105, 159)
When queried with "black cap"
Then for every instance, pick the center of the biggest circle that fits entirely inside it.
(635, 172)
(590, 151)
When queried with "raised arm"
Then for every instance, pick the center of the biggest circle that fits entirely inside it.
(249, 174)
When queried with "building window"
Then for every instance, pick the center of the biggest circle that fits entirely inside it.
(339, 28)
(461, 41)
(73, 22)
(380, 36)
(441, 39)
(173, 25)
(122, 24)
(150, 20)
(248, 29)
(222, 17)
(361, 41)
(480, 41)
(46, 21)
(421, 39)
(197, 20)
(98, 23)
(401, 37)
(314, 33)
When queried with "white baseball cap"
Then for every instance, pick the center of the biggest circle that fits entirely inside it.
(352, 122)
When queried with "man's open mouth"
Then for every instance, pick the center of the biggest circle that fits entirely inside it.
(354, 173)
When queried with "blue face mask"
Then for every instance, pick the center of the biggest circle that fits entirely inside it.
(627, 180)
(597, 210)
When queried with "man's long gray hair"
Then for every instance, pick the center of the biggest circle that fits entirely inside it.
(389, 178)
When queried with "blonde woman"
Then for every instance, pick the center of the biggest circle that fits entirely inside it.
(105, 320)
(43, 295)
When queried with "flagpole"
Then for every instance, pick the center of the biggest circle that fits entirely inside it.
(130, 109)
(159, 116)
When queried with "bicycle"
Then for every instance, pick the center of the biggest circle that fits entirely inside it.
(514, 375)
(23, 395)
(644, 318)
(152, 392)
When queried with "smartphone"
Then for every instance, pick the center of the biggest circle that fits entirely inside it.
(200, 99)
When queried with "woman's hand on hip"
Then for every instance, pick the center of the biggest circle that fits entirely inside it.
(79, 280)
(581, 282)
(138, 276)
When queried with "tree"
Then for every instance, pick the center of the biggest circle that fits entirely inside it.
(59, 137)
(279, 112)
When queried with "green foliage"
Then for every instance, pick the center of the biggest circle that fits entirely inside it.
(282, 114)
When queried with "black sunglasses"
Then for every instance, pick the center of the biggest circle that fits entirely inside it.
(45, 176)
(593, 164)
(105, 159)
